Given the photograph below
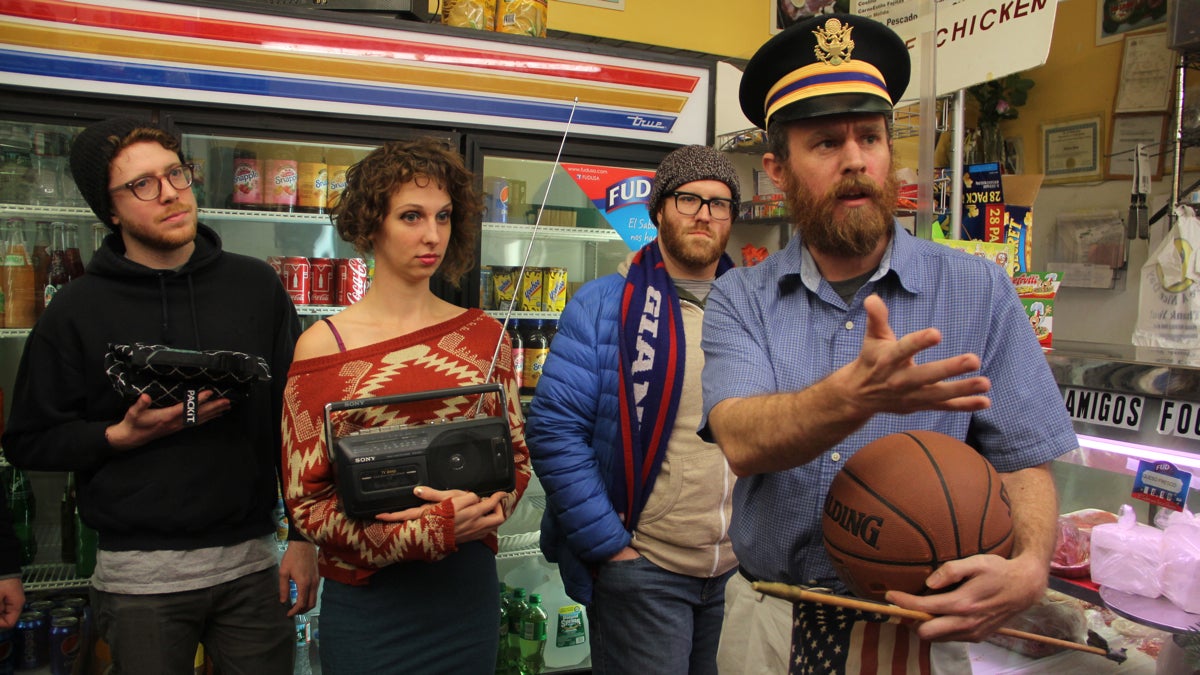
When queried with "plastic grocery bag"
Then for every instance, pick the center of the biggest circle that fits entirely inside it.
(1126, 555)
(1169, 296)
(1181, 560)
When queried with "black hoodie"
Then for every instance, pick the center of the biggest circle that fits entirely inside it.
(210, 485)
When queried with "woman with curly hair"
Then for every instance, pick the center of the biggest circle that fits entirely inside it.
(413, 591)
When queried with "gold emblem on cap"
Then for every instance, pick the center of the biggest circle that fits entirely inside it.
(833, 42)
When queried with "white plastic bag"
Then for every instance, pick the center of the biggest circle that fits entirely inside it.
(1181, 560)
(1169, 296)
(1126, 555)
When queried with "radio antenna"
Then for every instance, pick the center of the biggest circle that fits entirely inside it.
(528, 249)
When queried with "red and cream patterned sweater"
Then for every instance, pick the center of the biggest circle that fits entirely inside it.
(450, 354)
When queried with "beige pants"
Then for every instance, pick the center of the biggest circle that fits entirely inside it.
(756, 638)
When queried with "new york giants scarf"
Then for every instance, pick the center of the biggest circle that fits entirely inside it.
(650, 374)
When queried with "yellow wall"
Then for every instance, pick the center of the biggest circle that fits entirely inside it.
(1078, 79)
(722, 27)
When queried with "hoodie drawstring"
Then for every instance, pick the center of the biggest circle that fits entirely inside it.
(162, 288)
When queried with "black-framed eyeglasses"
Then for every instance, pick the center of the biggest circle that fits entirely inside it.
(689, 205)
(148, 188)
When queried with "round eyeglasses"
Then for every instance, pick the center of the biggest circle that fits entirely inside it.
(148, 188)
(689, 204)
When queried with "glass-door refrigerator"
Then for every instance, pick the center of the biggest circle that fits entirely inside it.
(273, 88)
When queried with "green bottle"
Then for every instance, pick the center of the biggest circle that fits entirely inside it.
(516, 607)
(21, 503)
(533, 637)
(85, 548)
(501, 649)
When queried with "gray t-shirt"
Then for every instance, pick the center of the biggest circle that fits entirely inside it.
(150, 572)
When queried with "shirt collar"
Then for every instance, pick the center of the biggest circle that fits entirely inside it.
(900, 255)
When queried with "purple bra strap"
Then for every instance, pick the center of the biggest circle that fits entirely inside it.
(336, 336)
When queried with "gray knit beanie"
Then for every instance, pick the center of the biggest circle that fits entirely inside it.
(692, 163)
(91, 158)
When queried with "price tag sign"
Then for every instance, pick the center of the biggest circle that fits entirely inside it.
(1162, 484)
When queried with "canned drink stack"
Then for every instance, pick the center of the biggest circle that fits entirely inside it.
(533, 291)
(351, 280)
(296, 274)
(322, 279)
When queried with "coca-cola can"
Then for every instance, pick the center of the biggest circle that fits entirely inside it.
(351, 280)
(322, 281)
(296, 275)
(276, 263)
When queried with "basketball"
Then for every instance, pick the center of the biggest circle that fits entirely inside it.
(907, 503)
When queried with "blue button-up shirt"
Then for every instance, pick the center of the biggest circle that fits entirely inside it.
(780, 327)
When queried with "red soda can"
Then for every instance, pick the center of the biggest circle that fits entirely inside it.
(321, 280)
(276, 263)
(351, 280)
(296, 274)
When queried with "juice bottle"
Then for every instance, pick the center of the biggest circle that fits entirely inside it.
(56, 275)
(282, 178)
(5, 230)
(537, 347)
(313, 181)
(20, 311)
(74, 259)
(338, 161)
(247, 177)
(518, 351)
(41, 265)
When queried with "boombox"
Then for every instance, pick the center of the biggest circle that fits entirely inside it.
(376, 469)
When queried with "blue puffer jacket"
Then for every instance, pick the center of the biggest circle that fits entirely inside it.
(574, 436)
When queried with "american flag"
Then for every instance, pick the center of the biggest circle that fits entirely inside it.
(830, 640)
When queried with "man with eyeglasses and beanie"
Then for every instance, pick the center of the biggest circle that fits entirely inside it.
(638, 506)
(854, 331)
(187, 550)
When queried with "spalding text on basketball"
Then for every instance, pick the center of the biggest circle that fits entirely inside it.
(864, 526)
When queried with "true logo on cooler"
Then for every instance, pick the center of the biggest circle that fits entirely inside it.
(632, 190)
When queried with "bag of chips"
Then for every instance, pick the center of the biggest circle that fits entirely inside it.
(521, 17)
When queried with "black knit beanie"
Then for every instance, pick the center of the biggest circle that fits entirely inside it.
(692, 163)
(91, 158)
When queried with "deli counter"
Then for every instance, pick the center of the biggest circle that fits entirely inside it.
(1127, 404)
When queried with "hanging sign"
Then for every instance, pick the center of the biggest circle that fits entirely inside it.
(1014, 34)
(621, 195)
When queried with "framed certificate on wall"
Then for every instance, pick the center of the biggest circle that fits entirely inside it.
(1127, 132)
(1071, 150)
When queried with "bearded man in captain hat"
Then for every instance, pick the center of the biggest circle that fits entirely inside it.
(854, 331)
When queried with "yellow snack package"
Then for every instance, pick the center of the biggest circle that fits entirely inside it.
(477, 14)
(521, 17)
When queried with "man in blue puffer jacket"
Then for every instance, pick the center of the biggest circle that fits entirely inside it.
(638, 505)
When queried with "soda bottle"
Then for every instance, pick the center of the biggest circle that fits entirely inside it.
(536, 349)
(501, 662)
(74, 259)
(66, 516)
(313, 181)
(99, 232)
(533, 637)
(20, 310)
(47, 168)
(20, 502)
(4, 236)
(41, 264)
(516, 608)
(338, 161)
(281, 180)
(247, 177)
(518, 351)
(57, 274)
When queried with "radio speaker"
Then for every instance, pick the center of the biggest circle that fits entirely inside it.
(376, 469)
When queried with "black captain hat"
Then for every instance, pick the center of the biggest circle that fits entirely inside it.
(830, 64)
